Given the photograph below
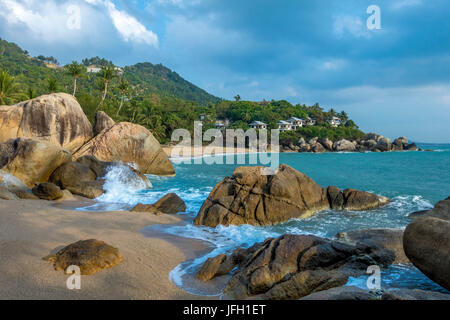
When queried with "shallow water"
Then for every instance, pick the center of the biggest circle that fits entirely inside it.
(413, 180)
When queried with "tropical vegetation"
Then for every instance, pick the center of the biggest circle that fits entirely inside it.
(152, 96)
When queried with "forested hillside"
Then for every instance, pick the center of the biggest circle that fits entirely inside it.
(152, 96)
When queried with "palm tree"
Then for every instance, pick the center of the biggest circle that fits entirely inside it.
(123, 87)
(344, 116)
(8, 88)
(107, 74)
(31, 93)
(75, 70)
(52, 85)
(237, 98)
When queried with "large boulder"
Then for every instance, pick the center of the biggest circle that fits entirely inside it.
(90, 256)
(250, 197)
(373, 136)
(294, 266)
(30, 160)
(327, 143)
(390, 239)
(12, 185)
(441, 210)
(344, 146)
(411, 147)
(336, 198)
(426, 242)
(47, 191)
(102, 122)
(369, 144)
(318, 148)
(384, 144)
(400, 143)
(78, 179)
(356, 200)
(215, 267)
(129, 143)
(86, 176)
(72, 173)
(414, 294)
(55, 118)
(170, 204)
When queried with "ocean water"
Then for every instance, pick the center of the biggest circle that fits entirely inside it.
(413, 180)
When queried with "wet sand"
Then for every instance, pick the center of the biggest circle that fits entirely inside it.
(32, 229)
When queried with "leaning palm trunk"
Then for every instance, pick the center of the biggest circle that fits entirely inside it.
(121, 104)
(104, 95)
(106, 91)
(74, 86)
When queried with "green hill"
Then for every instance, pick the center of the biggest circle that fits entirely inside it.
(157, 98)
(160, 80)
(148, 78)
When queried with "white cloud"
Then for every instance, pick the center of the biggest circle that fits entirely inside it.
(397, 5)
(332, 65)
(188, 34)
(47, 21)
(129, 28)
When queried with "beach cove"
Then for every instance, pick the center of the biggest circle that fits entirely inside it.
(417, 186)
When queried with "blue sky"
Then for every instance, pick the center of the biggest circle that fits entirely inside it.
(395, 80)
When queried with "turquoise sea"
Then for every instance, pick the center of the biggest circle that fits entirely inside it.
(413, 180)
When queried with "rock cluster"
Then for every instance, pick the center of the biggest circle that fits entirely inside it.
(371, 142)
(49, 139)
(251, 197)
(293, 266)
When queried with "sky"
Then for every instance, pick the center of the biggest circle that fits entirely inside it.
(393, 79)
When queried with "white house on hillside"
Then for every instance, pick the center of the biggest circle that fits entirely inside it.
(334, 122)
(285, 126)
(258, 125)
(223, 124)
(296, 122)
(93, 69)
(119, 71)
(310, 122)
(96, 69)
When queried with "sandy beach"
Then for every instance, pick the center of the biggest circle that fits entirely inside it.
(32, 229)
(177, 152)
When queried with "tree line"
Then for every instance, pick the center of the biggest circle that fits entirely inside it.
(113, 93)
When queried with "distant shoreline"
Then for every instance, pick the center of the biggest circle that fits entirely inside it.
(199, 152)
